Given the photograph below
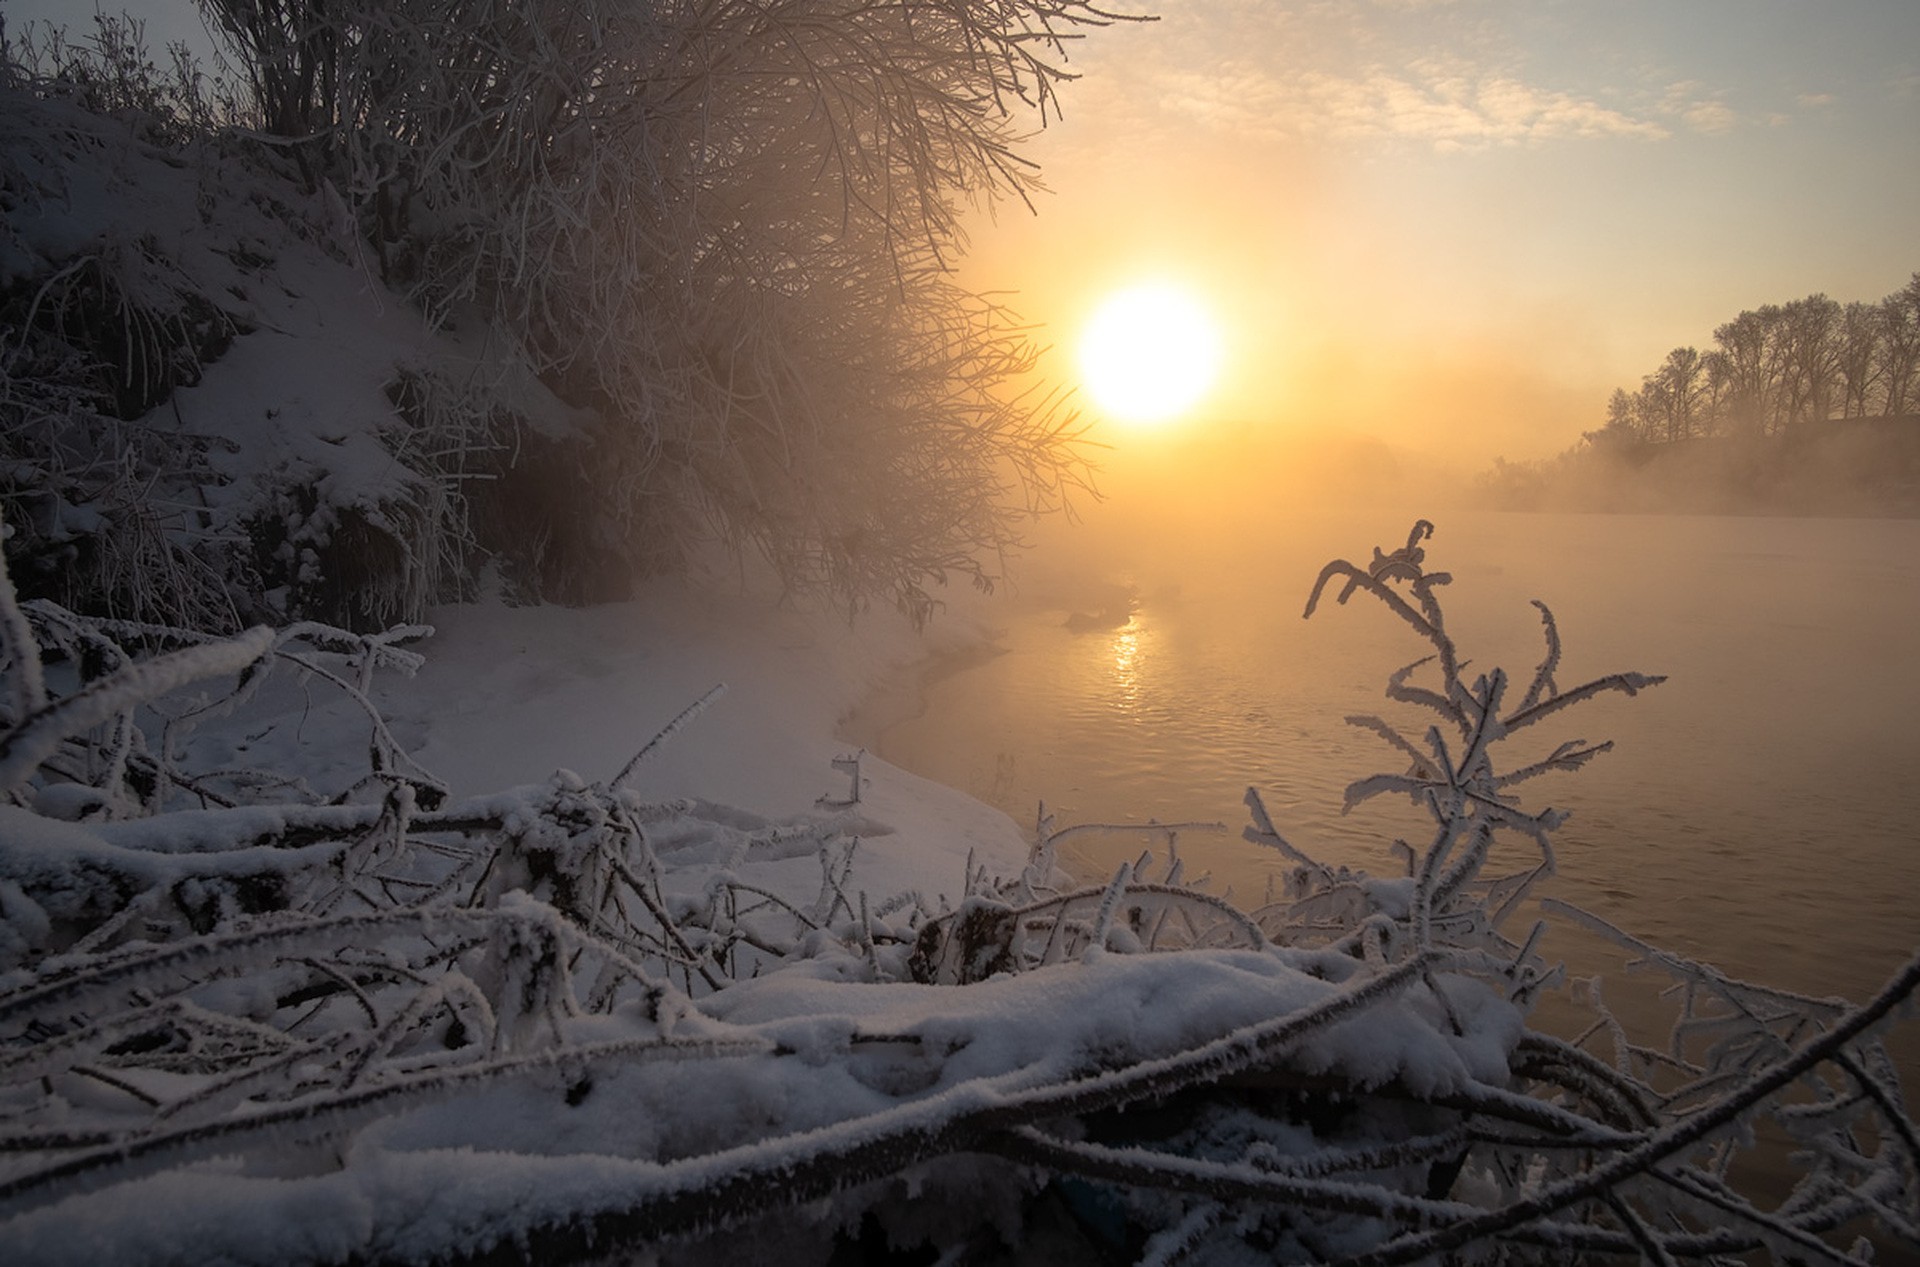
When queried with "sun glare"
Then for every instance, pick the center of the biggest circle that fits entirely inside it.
(1149, 354)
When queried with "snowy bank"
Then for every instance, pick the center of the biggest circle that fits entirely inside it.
(508, 695)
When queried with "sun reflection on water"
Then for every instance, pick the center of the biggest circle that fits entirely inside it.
(1126, 669)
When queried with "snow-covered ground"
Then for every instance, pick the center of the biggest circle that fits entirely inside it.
(510, 695)
(804, 1076)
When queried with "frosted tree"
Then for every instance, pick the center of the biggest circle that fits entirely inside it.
(724, 230)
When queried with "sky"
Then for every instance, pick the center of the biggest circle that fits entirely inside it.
(1463, 222)
(1452, 225)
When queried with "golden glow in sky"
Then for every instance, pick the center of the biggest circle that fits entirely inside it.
(1458, 226)
(1149, 354)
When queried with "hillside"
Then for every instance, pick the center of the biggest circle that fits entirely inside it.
(217, 414)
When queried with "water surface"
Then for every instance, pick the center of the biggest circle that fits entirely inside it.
(1759, 808)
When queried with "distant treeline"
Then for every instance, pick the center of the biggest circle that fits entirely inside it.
(1807, 407)
(1845, 467)
(1777, 367)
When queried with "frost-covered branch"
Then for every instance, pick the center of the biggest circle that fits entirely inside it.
(1660, 1144)
(36, 736)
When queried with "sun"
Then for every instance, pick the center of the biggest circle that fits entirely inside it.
(1149, 353)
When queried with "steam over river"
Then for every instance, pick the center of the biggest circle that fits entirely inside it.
(1761, 808)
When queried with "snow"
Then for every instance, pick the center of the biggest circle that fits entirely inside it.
(471, 1173)
(825, 1061)
(508, 695)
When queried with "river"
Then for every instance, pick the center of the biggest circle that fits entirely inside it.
(1761, 808)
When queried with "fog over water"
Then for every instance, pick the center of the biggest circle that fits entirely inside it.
(1759, 809)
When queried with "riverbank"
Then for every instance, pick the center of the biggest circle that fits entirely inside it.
(1851, 468)
(508, 695)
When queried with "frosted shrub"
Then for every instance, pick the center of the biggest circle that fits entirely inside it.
(1448, 899)
(111, 72)
(685, 270)
(1677, 1115)
(135, 485)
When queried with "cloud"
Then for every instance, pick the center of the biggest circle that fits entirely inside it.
(1451, 75)
(1239, 101)
(1702, 112)
(1710, 117)
(1449, 106)
(1696, 108)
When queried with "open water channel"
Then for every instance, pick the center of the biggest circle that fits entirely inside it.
(1761, 809)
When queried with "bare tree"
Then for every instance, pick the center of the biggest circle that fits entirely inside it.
(1857, 356)
(1779, 366)
(1623, 426)
(1681, 390)
(1750, 355)
(1900, 347)
(1718, 368)
(1809, 359)
(1651, 409)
